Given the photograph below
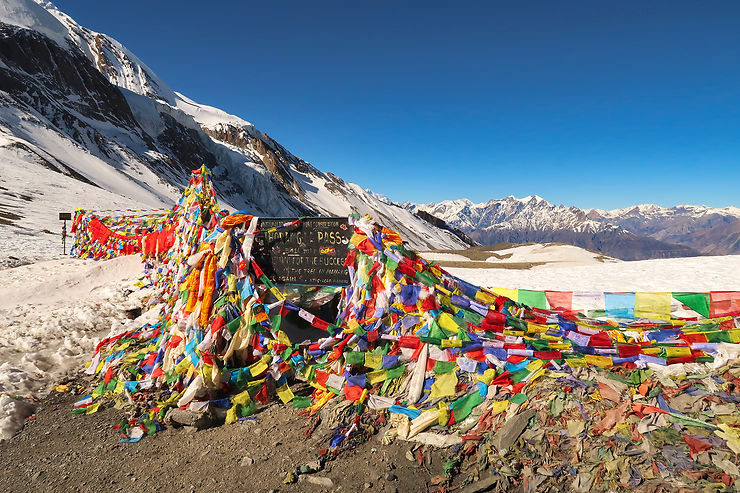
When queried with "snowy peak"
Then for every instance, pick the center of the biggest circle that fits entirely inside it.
(28, 14)
(121, 67)
(211, 117)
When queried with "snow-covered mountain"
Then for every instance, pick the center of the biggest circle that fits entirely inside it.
(533, 219)
(711, 231)
(82, 113)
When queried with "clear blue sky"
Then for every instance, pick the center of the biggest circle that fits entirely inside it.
(593, 104)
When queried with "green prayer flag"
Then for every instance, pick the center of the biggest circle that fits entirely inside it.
(520, 375)
(444, 366)
(354, 358)
(437, 332)
(301, 401)
(470, 316)
(242, 377)
(699, 302)
(519, 398)
(535, 299)
(431, 340)
(395, 372)
(285, 355)
(233, 326)
(463, 407)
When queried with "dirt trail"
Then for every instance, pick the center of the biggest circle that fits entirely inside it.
(57, 451)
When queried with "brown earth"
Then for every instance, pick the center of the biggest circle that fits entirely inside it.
(58, 451)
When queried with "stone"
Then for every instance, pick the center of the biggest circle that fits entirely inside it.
(180, 417)
(510, 431)
(322, 481)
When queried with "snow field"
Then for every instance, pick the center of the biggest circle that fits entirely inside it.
(52, 315)
(699, 274)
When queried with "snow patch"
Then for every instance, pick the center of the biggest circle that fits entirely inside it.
(52, 316)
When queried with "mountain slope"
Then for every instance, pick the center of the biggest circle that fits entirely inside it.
(711, 231)
(82, 105)
(533, 219)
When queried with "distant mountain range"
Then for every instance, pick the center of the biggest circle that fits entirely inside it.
(80, 104)
(710, 231)
(634, 233)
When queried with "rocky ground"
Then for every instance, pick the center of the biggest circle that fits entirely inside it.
(58, 451)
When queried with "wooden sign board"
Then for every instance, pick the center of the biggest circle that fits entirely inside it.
(65, 216)
(312, 253)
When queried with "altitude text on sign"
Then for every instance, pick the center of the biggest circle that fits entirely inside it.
(313, 252)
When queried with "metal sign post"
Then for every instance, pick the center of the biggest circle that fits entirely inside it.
(64, 216)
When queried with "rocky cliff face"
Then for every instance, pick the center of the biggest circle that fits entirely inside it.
(88, 106)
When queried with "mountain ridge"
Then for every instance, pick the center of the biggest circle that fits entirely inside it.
(633, 233)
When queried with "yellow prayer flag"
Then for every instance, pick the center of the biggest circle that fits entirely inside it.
(285, 394)
(376, 376)
(533, 377)
(730, 434)
(616, 335)
(499, 406)
(535, 328)
(182, 366)
(677, 352)
(512, 294)
(444, 413)
(231, 415)
(447, 323)
(444, 385)
(487, 376)
(352, 324)
(553, 339)
(535, 365)
(441, 289)
(451, 343)
(600, 361)
(206, 372)
(576, 362)
(258, 368)
(515, 333)
(241, 398)
(374, 361)
(283, 338)
(484, 297)
(92, 408)
(653, 305)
